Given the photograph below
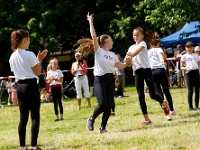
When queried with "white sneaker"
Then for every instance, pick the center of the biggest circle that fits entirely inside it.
(9, 104)
(173, 113)
(169, 118)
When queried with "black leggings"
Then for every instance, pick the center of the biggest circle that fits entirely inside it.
(160, 79)
(113, 106)
(104, 87)
(142, 75)
(193, 81)
(57, 97)
(28, 100)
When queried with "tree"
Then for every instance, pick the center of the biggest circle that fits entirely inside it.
(167, 15)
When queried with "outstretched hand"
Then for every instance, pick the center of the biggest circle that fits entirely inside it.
(90, 17)
(42, 55)
(128, 60)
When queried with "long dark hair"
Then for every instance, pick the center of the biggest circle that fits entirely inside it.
(150, 37)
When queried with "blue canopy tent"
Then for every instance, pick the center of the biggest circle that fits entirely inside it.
(190, 32)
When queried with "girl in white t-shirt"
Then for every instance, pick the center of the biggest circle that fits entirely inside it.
(140, 63)
(158, 68)
(26, 68)
(54, 79)
(104, 81)
(190, 62)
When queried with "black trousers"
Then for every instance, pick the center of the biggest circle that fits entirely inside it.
(161, 80)
(142, 75)
(28, 100)
(57, 97)
(192, 78)
(104, 87)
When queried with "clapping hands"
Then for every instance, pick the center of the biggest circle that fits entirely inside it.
(42, 55)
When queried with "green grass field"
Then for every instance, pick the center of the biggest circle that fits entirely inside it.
(125, 131)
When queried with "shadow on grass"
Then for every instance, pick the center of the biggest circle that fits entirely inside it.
(173, 123)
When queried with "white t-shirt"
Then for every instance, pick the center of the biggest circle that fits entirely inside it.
(104, 62)
(141, 60)
(56, 74)
(191, 60)
(21, 63)
(154, 59)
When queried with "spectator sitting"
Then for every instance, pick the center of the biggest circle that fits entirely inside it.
(118, 90)
(44, 96)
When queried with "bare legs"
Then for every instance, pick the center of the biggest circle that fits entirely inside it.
(79, 103)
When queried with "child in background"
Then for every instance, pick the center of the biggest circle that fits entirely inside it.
(44, 96)
(190, 62)
(14, 94)
(8, 87)
(118, 94)
(55, 79)
(118, 89)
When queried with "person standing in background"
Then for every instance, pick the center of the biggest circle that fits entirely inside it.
(26, 68)
(8, 87)
(41, 81)
(181, 74)
(14, 94)
(120, 73)
(190, 62)
(54, 79)
(79, 70)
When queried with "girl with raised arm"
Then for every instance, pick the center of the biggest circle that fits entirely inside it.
(104, 81)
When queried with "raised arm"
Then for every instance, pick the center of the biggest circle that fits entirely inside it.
(92, 31)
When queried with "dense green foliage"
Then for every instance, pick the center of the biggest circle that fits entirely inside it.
(58, 24)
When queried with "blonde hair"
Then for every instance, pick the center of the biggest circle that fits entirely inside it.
(85, 46)
(42, 90)
(49, 67)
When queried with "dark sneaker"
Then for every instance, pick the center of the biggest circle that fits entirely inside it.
(56, 120)
(146, 122)
(112, 113)
(191, 109)
(166, 108)
(196, 108)
(102, 131)
(90, 124)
